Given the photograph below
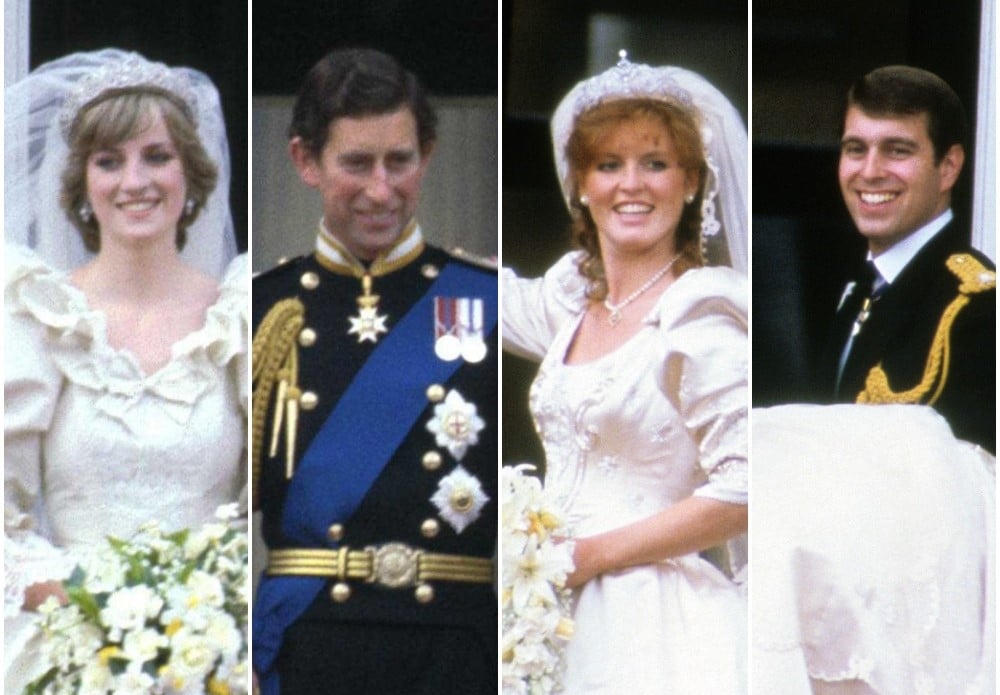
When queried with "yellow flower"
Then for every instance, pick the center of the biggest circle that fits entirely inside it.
(565, 628)
(110, 652)
(217, 687)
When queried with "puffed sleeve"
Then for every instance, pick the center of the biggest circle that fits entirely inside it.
(31, 389)
(704, 373)
(534, 309)
(235, 288)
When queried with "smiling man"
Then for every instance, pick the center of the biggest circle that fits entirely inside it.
(375, 414)
(918, 322)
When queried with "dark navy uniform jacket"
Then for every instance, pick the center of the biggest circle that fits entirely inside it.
(348, 641)
(900, 330)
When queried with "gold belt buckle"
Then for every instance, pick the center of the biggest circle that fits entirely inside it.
(394, 565)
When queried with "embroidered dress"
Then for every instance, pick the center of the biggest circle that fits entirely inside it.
(96, 447)
(631, 434)
(873, 553)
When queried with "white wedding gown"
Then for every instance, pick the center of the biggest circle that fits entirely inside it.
(626, 436)
(95, 447)
(873, 554)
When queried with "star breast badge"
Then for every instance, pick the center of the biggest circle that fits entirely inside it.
(456, 424)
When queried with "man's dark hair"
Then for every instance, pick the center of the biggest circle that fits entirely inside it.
(358, 82)
(901, 90)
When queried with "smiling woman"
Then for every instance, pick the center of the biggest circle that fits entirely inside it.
(640, 399)
(125, 375)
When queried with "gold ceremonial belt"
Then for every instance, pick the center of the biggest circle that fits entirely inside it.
(393, 565)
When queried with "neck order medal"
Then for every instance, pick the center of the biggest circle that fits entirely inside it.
(368, 324)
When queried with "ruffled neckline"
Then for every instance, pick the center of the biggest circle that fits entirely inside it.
(77, 336)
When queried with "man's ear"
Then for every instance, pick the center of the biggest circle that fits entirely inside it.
(950, 166)
(304, 161)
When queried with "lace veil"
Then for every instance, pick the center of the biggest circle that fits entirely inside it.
(724, 202)
(35, 152)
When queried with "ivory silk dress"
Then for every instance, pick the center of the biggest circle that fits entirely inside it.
(93, 446)
(659, 419)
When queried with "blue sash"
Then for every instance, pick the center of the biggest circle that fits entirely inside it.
(358, 439)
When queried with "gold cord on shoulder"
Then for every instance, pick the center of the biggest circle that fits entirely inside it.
(275, 364)
(974, 278)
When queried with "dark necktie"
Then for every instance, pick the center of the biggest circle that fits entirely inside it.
(876, 287)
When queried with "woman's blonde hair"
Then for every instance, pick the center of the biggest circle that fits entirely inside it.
(589, 130)
(120, 115)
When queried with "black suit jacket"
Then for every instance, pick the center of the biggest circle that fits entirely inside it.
(900, 329)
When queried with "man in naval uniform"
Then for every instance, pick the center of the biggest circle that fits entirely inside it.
(374, 415)
(918, 322)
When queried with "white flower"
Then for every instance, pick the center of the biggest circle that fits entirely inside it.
(192, 656)
(105, 571)
(133, 681)
(459, 498)
(204, 589)
(535, 565)
(456, 424)
(186, 610)
(142, 645)
(95, 679)
(129, 609)
(223, 632)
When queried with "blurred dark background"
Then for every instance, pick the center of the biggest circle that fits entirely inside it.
(208, 36)
(549, 47)
(806, 53)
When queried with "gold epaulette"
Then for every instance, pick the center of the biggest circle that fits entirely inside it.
(275, 363)
(488, 263)
(973, 278)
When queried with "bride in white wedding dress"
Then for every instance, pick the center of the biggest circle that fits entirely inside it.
(641, 396)
(125, 369)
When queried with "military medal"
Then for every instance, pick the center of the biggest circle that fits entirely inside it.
(368, 324)
(458, 329)
(473, 345)
(447, 345)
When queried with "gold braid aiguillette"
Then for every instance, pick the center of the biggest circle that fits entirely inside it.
(275, 363)
(973, 278)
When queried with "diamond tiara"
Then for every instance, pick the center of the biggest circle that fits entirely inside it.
(131, 73)
(628, 80)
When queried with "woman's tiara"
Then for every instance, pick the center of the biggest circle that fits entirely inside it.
(132, 72)
(629, 80)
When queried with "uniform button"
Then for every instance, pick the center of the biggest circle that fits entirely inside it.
(430, 528)
(429, 271)
(307, 337)
(309, 280)
(431, 460)
(424, 593)
(308, 400)
(335, 532)
(340, 592)
(435, 393)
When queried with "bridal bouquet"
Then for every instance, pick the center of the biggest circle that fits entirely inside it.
(157, 613)
(535, 601)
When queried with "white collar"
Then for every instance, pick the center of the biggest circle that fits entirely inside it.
(891, 262)
(334, 256)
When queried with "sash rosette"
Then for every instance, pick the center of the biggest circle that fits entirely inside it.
(159, 613)
(537, 556)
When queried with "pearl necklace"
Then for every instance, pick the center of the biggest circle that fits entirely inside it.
(615, 310)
